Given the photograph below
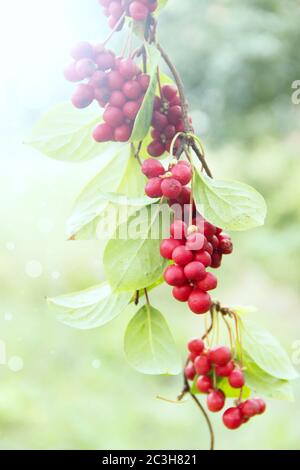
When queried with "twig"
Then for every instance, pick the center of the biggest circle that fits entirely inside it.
(202, 159)
(117, 25)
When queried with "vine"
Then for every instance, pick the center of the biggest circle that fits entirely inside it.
(159, 172)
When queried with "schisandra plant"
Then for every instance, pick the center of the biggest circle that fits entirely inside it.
(167, 219)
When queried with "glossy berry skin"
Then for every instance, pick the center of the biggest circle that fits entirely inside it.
(138, 11)
(204, 384)
(182, 293)
(178, 229)
(174, 276)
(182, 173)
(220, 355)
(215, 401)
(190, 372)
(196, 346)
(153, 188)
(261, 405)
(204, 258)
(83, 96)
(168, 246)
(113, 116)
(103, 133)
(225, 371)
(127, 68)
(131, 109)
(202, 365)
(171, 188)
(182, 256)
(210, 282)
(117, 99)
(152, 168)
(233, 418)
(194, 271)
(122, 133)
(199, 302)
(236, 378)
(249, 408)
(132, 89)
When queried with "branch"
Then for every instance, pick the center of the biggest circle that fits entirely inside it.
(202, 159)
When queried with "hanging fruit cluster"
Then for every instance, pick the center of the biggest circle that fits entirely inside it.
(116, 10)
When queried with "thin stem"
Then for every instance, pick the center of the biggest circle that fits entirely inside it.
(202, 159)
(118, 24)
(211, 431)
(147, 297)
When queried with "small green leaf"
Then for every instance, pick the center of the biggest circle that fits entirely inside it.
(228, 204)
(231, 392)
(132, 261)
(143, 120)
(263, 383)
(162, 4)
(65, 133)
(266, 351)
(149, 345)
(90, 308)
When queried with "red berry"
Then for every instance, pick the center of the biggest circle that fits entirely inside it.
(195, 271)
(82, 50)
(195, 241)
(113, 116)
(209, 229)
(159, 121)
(178, 229)
(210, 282)
(216, 260)
(190, 372)
(85, 68)
(167, 247)
(185, 196)
(156, 149)
(261, 405)
(209, 248)
(169, 132)
(144, 81)
(215, 401)
(138, 11)
(232, 418)
(83, 96)
(102, 95)
(131, 109)
(115, 9)
(115, 80)
(132, 89)
(182, 256)
(122, 133)
(182, 173)
(202, 365)
(204, 384)
(182, 293)
(225, 245)
(196, 346)
(169, 92)
(127, 68)
(152, 168)
(153, 188)
(171, 188)
(105, 60)
(103, 133)
(220, 355)
(117, 99)
(199, 301)
(249, 408)
(174, 276)
(225, 371)
(71, 73)
(236, 378)
(204, 258)
(174, 114)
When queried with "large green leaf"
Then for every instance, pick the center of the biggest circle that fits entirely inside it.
(263, 383)
(228, 204)
(121, 175)
(134, 262)
(143, 120)
(90, 308)
(149, 345)
(266, 351)
(65, 133)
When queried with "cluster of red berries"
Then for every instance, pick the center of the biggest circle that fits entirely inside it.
(116, 83)
(194, 249)
(138, 10)
(166, 121)
(206, 366)
(170, 183)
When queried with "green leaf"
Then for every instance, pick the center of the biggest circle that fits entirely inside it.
(65, 133)
(263, 383)
(133, 261)
(144, 117)
(90, 308)
(121, 174)
(266, 351)
(223, 384)
(228, 204)
(162, 4)
(149, 345)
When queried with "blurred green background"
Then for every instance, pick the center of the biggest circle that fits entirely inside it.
(66, 389)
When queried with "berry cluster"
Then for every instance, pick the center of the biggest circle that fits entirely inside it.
(194, 249)
(166, 121)
(138, 10)
(116, 83)
(206, 367)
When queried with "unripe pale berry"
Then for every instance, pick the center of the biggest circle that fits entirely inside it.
(174, 276)
(196, 345)
(152, 168)
(182, 293)
(233, 418)
(194, 271)
(138, 11)
(103, 133)
(202, 365)
(178, 229)
(236, 378)
(83, 96)
(199, 301)
(190, 372)
(215, 401)
(204, 384)
(153, 188)
(182, 173)
(210, 282)
(168, 246)
(182, 256)
(171, 188)
(122, 133)
(225, 371)
(220, 355)
(249, 408)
